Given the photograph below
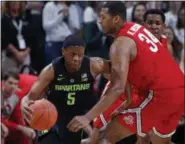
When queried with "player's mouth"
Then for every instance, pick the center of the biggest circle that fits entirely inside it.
(75, 65)
(155, 33)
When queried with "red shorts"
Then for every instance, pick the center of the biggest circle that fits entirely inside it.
(159, 112)
(101, 121)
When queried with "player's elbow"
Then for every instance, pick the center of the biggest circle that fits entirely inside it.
(119, 90)
(129, 101)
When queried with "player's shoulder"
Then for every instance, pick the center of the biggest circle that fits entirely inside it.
(96, 63)
(130, 29)
(57, 60)
(96, 60)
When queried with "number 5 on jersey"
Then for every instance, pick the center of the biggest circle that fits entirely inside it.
(71, 98)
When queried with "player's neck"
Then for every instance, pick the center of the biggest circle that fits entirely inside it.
(70, 70)
(118, 28)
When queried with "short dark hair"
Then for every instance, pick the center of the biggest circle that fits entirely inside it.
(12, 73)
(74, 40)
(116, 8)
(154, 11)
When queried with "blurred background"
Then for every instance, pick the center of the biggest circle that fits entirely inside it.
(32, 32)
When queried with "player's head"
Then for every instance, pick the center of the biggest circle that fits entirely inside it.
(155, 20)
(11, 80)
(73, 51)
(112, 17)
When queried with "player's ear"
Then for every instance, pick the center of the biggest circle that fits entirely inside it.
(63, 51)
(164, 25)
(116, 19)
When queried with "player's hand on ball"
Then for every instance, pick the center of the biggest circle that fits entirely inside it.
(77, 123)
(26, 110)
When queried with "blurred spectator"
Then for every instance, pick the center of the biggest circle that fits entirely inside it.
(164, 6)
(129, 6)
(15, 36)
(97, 45)
(138, 12)
(90, 14)
(152, 4)
(175, 46)
(74, 18)
(82, 4)
(34, 17)
(171, 15)
(25, 83)
(55, 28)
(182, 61)
(11, 114)
(168, 32)
(4, 133)
(179, 29)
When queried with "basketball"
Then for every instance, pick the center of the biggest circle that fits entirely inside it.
(44, 115)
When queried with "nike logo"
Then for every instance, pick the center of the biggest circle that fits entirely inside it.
(60, 78)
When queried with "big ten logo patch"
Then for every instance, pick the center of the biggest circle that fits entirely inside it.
(84, 77)
(129, 120)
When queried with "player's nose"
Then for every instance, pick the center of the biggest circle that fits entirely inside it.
(76, 58)
(99, 21)
(154, 26)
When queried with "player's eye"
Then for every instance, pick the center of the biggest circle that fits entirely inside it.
(10, 82)
(158, 23)
(102, 17)
(150, 22)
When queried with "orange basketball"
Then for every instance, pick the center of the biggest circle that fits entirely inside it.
(44, 115)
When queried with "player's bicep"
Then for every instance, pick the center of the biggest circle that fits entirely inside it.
(120, 58)
(45, 78)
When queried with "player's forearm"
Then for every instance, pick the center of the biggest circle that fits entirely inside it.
(110, 96)
(20, 127)
(33, 95)
(30, 97)
(128, 92)
(88, 130)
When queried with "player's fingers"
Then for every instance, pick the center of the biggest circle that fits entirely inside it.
(33, 135)
(31, 102)
(77, 127)
(27, 120)
(30, 110)
(73, 127)
(27, 114)
(71, 123)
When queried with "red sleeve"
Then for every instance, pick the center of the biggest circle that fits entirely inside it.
(11, 125)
